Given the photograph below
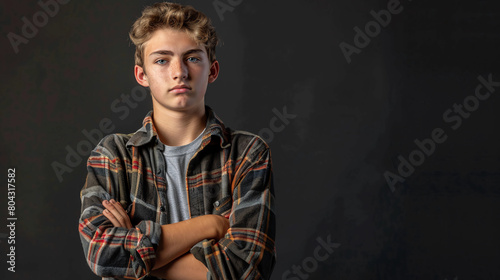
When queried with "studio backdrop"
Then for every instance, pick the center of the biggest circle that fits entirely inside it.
(382, 118)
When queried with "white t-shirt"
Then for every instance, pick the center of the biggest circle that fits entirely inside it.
(176, 162)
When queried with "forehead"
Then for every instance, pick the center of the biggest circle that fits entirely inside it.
(176, 41)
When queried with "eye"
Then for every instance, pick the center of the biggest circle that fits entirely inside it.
(161, 61)
(193, 59)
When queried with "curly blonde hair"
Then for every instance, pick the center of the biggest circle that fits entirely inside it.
(177, 17)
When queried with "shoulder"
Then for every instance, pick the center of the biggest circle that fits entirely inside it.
(248, 144)
(241, 143)
(113, 145)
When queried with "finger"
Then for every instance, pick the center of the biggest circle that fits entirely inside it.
(108, 213)
(123, 213)
(118, 212)
(111, 218)
(115, 213)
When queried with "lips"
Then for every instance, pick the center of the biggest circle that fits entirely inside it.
(180, 89)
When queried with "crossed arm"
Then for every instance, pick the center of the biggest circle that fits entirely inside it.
(244, 251)
(172, 258)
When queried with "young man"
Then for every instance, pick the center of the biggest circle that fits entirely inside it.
(199, 196)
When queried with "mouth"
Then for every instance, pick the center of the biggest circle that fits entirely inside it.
(180, 89)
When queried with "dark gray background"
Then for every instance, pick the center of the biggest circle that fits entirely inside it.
(352, 122)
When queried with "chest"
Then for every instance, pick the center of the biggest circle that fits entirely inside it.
(208, 181)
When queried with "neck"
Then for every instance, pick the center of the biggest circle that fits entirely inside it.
(178, 128)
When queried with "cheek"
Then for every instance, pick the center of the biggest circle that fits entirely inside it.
(154, 79)
(202, 74)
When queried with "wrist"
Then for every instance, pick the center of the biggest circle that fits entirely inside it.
(214, 226)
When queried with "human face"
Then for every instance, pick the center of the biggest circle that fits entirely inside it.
(177, 71)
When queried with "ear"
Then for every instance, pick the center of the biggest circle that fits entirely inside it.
(214, 72)
(140, 76)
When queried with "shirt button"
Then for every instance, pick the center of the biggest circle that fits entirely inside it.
(162, 208)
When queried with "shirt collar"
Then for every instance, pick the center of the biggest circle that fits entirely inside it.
(215, 129)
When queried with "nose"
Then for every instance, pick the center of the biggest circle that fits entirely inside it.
(178, 69)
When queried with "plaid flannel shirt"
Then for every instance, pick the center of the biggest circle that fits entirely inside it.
(230, 173)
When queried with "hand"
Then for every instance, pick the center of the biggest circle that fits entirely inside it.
(116, 214)
(221, 226)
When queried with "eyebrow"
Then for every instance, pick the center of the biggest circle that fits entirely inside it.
(167, 52)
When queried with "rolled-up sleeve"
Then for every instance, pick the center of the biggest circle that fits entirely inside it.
(112, 251)
(248, 249)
